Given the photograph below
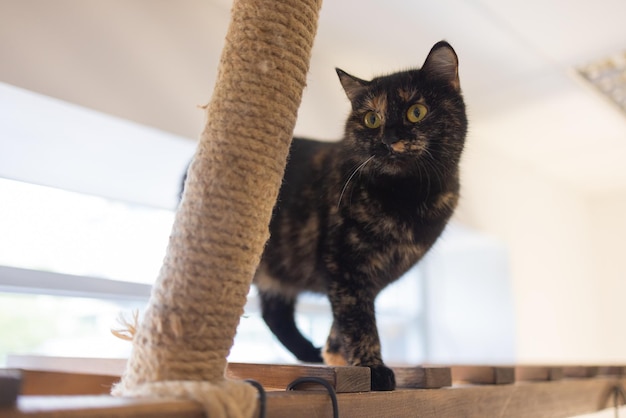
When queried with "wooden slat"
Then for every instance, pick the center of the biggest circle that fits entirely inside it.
(61, 383)
(342, 379)
(537, 373)
(580, 371)
(486, 375)
(423, 377)
(562, 398)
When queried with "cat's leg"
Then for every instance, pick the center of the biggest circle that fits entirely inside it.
(334, 353)
(278, 313)
(354, 315)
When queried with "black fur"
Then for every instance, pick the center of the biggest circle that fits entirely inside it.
(354, 215)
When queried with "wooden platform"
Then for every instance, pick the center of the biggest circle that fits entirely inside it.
(424, 391)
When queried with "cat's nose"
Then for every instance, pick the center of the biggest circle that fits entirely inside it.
(389, 141)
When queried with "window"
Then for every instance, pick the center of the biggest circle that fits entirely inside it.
(86, 210)
(55, 230)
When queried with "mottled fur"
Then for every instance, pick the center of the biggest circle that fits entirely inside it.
(354, 215)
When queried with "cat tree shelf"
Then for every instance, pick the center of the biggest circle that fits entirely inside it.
(429, 391)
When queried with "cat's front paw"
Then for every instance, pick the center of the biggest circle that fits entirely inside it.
(382, 378)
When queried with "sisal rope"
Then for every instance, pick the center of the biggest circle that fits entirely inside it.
(221, 226)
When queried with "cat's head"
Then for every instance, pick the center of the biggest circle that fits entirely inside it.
(408, 121)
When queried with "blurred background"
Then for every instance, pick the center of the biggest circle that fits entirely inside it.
(99, 114)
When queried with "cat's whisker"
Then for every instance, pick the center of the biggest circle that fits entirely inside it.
(424, 176)
(356, 170)
(432, 167)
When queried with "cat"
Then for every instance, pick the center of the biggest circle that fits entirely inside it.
(353, 216)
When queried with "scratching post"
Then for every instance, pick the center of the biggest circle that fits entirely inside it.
(221, 226)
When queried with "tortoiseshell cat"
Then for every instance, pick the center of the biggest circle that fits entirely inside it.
(354, 215)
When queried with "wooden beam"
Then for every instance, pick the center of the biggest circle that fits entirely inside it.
(564, 398)
(552, 399)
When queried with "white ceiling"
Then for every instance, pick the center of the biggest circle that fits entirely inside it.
(154, 61)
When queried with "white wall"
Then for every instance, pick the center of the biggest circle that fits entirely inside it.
(607, 212)
(566, 256)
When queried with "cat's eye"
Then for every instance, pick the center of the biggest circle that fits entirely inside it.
(416, 113)
(372, 120)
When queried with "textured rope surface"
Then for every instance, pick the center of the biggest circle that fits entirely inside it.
(222, 223)
(233, 399)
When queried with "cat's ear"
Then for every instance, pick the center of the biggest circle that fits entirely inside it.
(351, 85)
(443, 64)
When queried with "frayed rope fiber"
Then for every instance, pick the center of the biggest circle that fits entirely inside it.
(180, 347)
